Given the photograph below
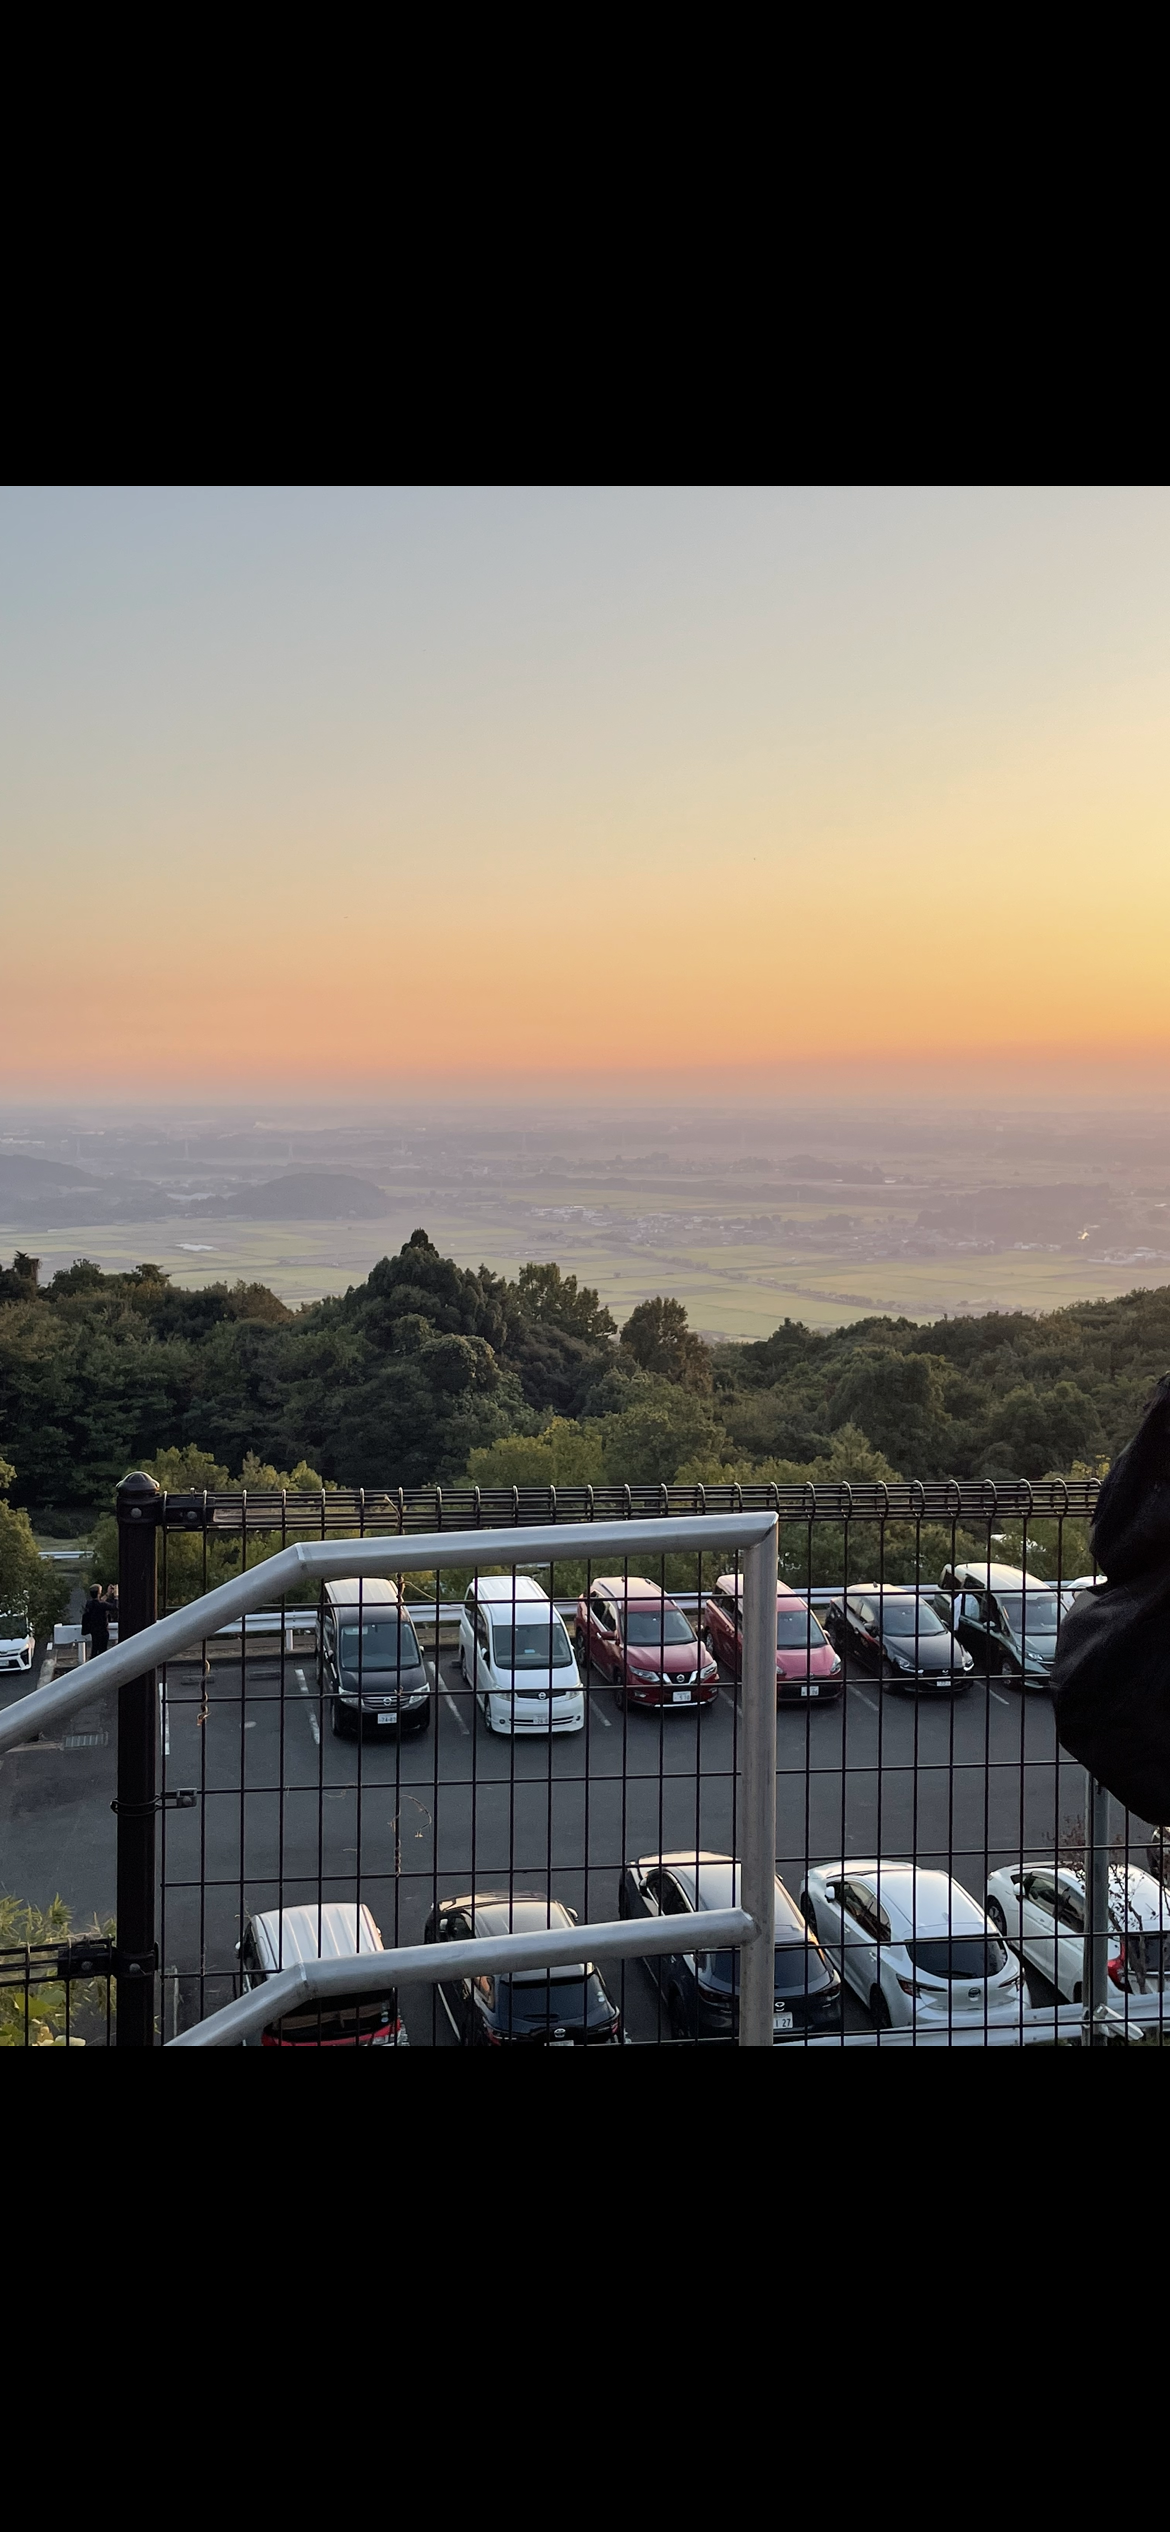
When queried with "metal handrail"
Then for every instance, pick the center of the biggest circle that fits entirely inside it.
(371, 1973)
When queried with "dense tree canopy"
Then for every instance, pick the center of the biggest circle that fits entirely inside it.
(429, 1372)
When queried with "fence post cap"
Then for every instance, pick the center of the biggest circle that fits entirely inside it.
(137, 1495)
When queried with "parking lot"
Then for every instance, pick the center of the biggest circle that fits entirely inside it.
(285, 1809)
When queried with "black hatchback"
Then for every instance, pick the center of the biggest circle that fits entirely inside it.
(565, 2007)
(701, 1989)
(901, 1635)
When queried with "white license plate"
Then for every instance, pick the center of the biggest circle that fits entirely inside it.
(782, 2022)
(387, 1718)
(810, 1689)
(682, 1696)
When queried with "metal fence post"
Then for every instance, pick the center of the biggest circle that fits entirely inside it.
(139, 1501)
(1095, 1973)
(757, 1790)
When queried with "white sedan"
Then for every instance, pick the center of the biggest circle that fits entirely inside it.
(912, 1944)
(1040, 1909)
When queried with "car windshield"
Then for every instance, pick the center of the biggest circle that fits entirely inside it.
(959, 1956)
(796, 1626)
(910, 1617)
(551, 1999)
(1031, 1612)
(13, 1622)
(657, 1626)
(536, 1645)
(379, 1644)
(801, 1969)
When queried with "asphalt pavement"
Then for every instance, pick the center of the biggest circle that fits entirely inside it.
(286, 1809)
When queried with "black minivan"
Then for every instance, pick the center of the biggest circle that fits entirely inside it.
(369, 1665)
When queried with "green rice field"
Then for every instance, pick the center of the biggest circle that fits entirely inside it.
(731, 1286)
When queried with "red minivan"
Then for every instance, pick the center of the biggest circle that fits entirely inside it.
(806, 1665)
(632, 1634)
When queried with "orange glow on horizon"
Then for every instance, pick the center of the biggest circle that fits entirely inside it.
(551, 792)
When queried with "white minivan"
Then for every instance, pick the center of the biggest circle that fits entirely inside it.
(516, 1657)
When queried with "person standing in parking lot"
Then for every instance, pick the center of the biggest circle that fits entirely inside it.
(95, 1622)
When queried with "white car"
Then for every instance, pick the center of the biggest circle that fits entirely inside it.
(517, 1659)
(1040, 1908)
(17, 1644)
(912, 1944)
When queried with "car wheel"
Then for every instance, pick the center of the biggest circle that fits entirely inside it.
(463, 1667)
(809, 1913)
(879, 2009)
(336, 1724)
(619, 1694)
(996, 1914)
(1076, 1993)
(486, 1711)
(423, 1721)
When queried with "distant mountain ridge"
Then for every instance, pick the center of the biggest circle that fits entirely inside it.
(300, 1195)
(51, 1196)
(23, 1172)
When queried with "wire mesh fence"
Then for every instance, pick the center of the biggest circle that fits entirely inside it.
(57, 1994)
(450, 1756)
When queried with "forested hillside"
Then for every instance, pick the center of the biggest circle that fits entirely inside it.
(429, 1371)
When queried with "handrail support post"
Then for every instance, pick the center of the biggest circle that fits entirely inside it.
(756, 1838)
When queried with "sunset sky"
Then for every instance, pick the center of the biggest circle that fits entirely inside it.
(562, 792)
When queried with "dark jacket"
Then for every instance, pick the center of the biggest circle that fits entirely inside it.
(95, 1623)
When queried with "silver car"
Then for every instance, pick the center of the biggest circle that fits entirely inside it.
(1040, 1909)
(913, 1944)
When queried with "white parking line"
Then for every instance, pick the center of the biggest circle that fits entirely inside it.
(314, 1726)
(1000, 1701)
(436, 1679)
(866, 1701)
(607, 1719)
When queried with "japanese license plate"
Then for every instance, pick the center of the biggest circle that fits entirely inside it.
(782, 2022)
(681, 1696)
(387, 1718)
(810, 1689)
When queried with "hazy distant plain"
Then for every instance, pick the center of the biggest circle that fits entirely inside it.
(735, 1289)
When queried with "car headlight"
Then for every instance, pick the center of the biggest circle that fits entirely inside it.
(835, 1672)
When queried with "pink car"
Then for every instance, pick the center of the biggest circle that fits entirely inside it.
(806, 1665)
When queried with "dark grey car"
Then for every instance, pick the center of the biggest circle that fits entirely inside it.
(1007, 1620)
(700, 1988)
(900, 1635)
